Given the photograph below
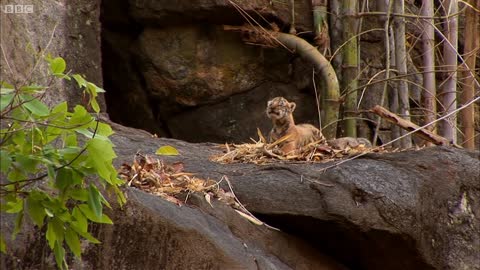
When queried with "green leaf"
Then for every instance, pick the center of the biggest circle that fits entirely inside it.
(167, 150)
(57, 65)
(50, 235)
(5, 161)
(71, 237)
(18, 224)
(79, 194)
(94, 89)
(6, 88)
(102, 128)
(27, 163)
(58, 229)
(91, 216)
(80, 80)
(71, 140)
(59, 252)
(35, 209)
(14, 206)
(30, 89)
(63, 178)
(95, 106)
(94, 201)
(100, 156)
(48, 212)
(35, 106)
(87, 236)
(5, 100)
(79, 220)
(3, 246)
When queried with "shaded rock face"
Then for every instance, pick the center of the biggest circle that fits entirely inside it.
(182, 76)
(70, 29)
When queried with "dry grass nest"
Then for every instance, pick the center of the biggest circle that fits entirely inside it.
(260, 151)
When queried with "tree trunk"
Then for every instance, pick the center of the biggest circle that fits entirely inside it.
(471, 45)
(428, 42)
(447, 127)
(401, 64)
(350, 68)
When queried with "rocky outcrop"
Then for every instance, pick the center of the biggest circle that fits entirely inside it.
(406, 210)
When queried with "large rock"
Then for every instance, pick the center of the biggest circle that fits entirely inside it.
(407, 210)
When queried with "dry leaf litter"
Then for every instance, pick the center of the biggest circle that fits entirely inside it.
(170, 182)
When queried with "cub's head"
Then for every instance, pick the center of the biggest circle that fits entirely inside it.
(279, 108)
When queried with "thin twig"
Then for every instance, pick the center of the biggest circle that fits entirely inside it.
(243, 207)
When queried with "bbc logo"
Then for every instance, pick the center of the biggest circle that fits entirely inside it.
(17, 9)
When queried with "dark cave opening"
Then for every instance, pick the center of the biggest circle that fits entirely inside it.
(350, 245)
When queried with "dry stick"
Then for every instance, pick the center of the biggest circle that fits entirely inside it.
(243, 207)
(6, 60)
(409, 126)
(317, 99)
(409, 133)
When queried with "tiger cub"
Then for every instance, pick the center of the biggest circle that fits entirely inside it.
(280, 111)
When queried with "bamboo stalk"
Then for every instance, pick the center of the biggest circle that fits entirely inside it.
(448, 95)
(428, 44)
(471, 44)
(401, 64)
(350, 69)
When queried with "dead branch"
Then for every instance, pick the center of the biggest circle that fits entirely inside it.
(409, 126)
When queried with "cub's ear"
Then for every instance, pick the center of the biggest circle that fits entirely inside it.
(269, 103)
(292, 106)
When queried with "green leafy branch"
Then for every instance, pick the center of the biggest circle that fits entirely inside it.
(54, 162)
